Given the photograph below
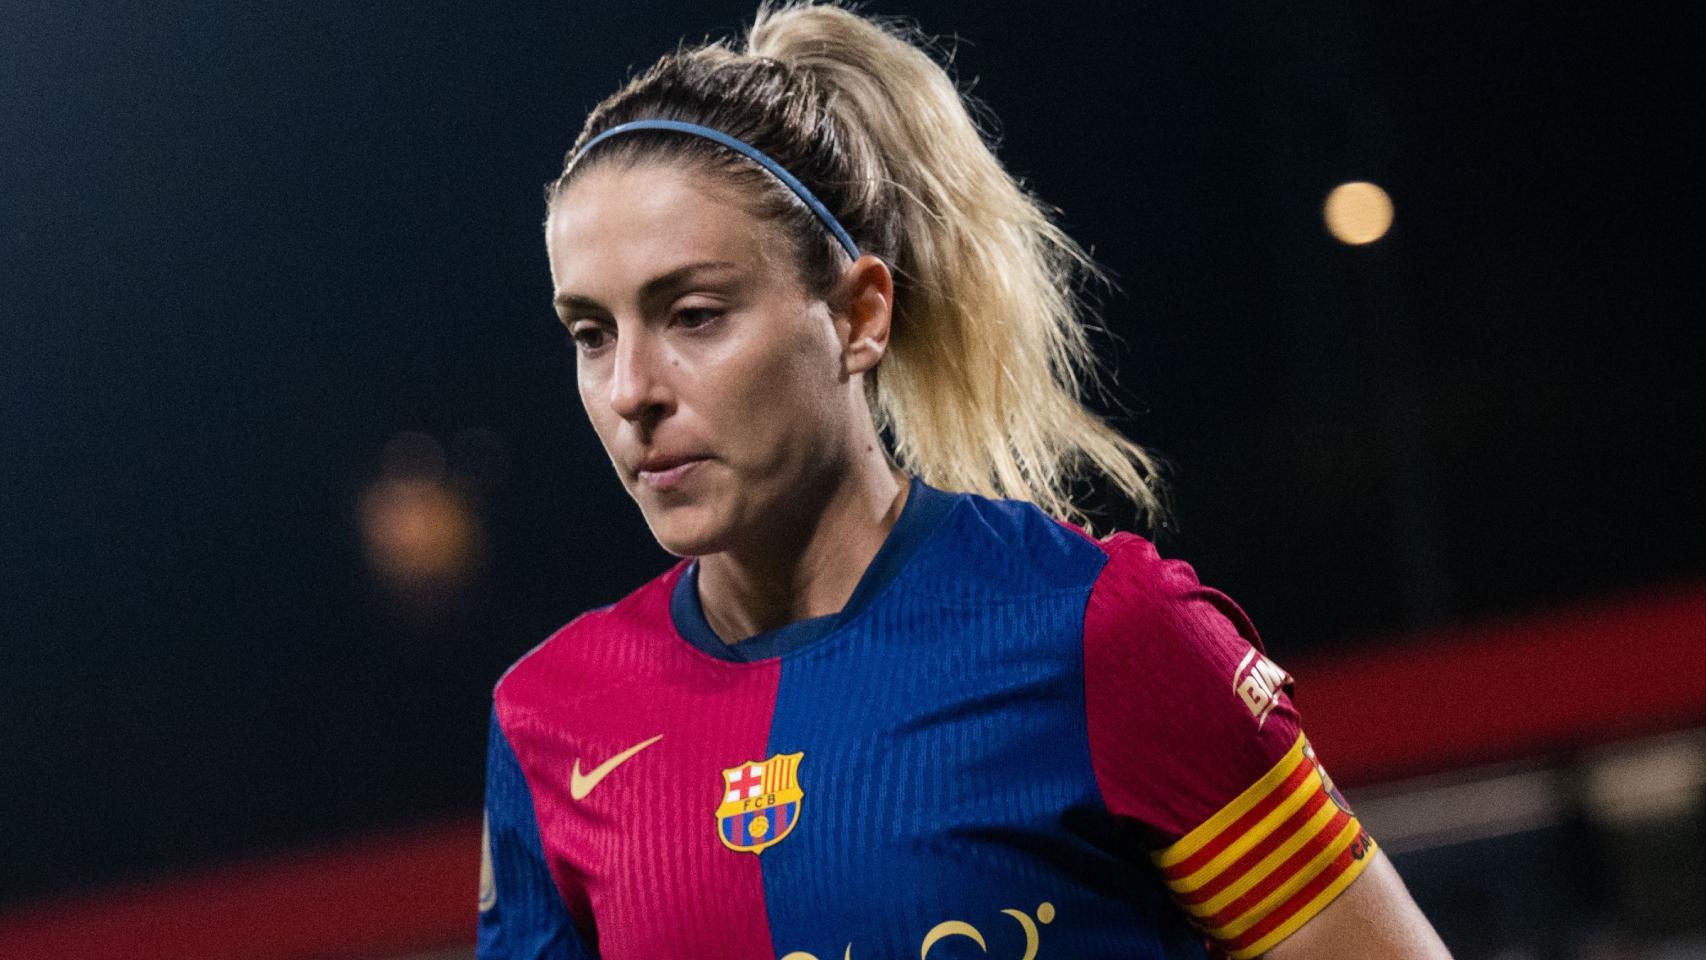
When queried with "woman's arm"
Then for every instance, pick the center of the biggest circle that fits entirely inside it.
(1373, 919)
(1196, 742)
(522, 914)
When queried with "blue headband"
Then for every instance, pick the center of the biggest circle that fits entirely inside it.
(747, 150)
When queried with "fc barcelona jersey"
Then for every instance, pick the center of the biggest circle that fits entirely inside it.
(1014, 742)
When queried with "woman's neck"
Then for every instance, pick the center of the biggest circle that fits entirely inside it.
(813, 566)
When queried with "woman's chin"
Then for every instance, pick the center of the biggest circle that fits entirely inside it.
(688, 531)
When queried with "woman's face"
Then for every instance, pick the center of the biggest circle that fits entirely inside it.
(716, 382)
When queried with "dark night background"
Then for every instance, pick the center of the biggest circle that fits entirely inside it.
(243, 246)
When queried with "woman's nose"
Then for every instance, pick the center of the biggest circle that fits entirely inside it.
(638, 387)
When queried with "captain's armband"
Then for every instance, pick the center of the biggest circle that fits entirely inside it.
(1261, 867)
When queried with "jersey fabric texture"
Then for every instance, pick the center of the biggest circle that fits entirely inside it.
(1013, 742)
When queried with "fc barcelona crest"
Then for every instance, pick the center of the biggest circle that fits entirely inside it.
(760, 802)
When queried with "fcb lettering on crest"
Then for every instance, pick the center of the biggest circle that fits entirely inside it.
(760, 802)
(1258, 682)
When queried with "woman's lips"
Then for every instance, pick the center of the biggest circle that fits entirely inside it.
(669, 478)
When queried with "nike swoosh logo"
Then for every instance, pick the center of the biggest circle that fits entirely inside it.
(581, 784)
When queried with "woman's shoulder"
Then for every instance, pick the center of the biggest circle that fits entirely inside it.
(1136, 566)
(1002, 534)
(1142, 607)
(599, 638)
(1016, 544)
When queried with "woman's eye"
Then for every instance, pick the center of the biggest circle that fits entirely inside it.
(695, 317)
(588, 336)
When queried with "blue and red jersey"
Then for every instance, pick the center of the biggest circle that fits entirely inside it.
(1014, 741)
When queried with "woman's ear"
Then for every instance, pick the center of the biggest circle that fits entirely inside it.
(867, 310)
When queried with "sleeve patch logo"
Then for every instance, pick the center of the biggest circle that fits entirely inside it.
(760, 802)
(488, 884)
(1258, 682)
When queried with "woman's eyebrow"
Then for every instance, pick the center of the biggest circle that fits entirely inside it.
(651, 289)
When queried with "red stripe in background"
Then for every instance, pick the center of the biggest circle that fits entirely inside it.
(1497, 690)
(1504, 689)
(382, 896)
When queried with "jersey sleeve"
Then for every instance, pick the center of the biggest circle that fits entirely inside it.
(1194, 738)
(522, 914)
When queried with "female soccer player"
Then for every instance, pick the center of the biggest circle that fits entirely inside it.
(876, 711)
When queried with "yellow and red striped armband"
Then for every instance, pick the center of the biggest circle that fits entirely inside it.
(1257, 870)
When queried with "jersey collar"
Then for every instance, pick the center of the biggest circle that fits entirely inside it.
(925, 509)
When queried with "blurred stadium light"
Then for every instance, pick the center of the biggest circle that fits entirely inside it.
(1358, 213)
(419, 520)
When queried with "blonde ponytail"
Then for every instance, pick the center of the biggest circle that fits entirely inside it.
(981, 387)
